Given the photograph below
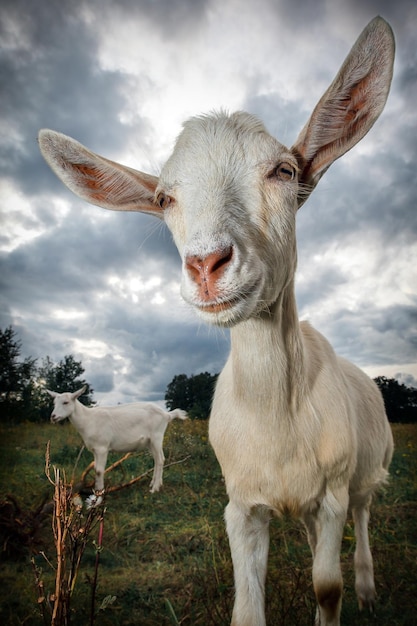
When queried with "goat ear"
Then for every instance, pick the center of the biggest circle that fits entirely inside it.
(53, 394)
(79, 393)
(96, 179)
(349, 107)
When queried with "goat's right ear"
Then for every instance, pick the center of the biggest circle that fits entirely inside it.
(96, 179)
(53, 394)
(79, 393)
(349, 107)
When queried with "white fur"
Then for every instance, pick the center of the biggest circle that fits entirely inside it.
(121, 428)
(295, 428)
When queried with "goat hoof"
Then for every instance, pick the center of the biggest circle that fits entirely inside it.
(95, 500)
(368, 603)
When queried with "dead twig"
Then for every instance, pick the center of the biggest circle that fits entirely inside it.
(111, 467)
(114, 488)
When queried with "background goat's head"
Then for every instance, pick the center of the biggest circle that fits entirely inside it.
(64, 403)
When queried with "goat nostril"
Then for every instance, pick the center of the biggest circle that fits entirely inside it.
(224, 259)
(194, 266)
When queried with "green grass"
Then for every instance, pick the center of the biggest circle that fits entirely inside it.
(165, 559)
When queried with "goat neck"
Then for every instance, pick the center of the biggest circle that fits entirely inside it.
(267, 353)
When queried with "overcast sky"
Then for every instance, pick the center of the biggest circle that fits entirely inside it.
(121, 77)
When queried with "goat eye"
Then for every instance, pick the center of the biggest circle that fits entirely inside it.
(285, 171)
(163, 200)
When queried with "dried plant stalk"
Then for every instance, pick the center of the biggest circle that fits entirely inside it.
(72, 529)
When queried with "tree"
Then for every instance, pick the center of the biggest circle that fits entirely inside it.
(400, 401)
(193, 394)
(9, 353)
(23, 384)
(62, 376)
(16, 378)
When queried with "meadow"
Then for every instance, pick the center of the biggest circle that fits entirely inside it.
(164, 558)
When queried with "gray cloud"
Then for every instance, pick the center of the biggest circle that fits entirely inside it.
(173, 19)
(52, 78)
(383, 337)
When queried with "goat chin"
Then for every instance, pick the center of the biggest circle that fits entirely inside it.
(230, 310)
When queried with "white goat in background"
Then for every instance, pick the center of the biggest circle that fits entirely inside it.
(295, 428)
(121, 428)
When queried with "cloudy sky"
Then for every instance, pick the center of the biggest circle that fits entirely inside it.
(121, 77)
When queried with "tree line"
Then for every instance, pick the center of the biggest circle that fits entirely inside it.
(23, 384)
(194, 394)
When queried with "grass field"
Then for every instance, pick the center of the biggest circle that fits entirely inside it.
(165, 559)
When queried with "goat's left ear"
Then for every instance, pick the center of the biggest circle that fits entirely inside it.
(79, 393)
(96, 179)
(349, 107)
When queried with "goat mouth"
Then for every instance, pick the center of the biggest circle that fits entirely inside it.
(229, 311)
(218, 307)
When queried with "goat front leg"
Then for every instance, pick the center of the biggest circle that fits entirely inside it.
(248, 531)
(326, 539)
(100, 460)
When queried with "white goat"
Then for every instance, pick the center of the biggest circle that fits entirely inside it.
(295, 428)
(121, 428)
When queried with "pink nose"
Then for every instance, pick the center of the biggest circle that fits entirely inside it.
(206, 271)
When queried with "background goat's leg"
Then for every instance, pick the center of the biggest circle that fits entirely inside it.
(159, 459)
(100, 460)
(248, 532)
